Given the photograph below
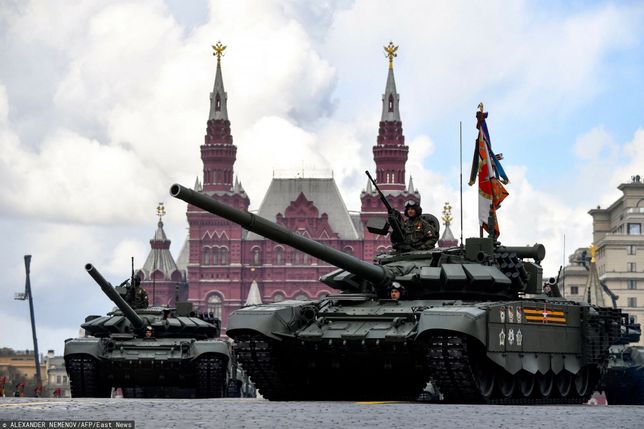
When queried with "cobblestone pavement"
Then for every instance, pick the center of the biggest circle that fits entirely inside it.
(259, 413)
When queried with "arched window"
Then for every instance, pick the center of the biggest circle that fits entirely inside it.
(214, 305)
(215, 255)
(278, 297)
(306, 259)
(218, 103)
(391, 102)
(206, 256)
(223, 255)
(297, 256)
(256, 255)
(348, 250)
(279, 255)
(301, 297)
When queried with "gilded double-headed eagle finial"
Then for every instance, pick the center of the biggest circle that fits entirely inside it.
(218, 51)
(160, 211)
(593, 253)
(447, 214)
(391, 53)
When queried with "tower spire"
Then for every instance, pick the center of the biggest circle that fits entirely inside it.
(390, 152)
(218, 152)
(218, 97)
(390, 99)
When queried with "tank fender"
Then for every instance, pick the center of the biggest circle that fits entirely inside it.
(275, 320)
(510, 362)
(84, 346)
(557, 363)
(572, 364)
(218, 346)
(467, 320)
(532, 363)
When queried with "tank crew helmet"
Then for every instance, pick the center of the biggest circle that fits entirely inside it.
(396, 285)
(413, 204)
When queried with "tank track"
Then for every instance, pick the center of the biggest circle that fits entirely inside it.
(210, 375)
(452, 359)
(315, 376)
(84, 378)
(260, 360)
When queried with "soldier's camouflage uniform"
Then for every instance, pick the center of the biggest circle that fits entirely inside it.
(418, 235)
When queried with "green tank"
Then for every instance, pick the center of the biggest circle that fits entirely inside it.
(472, 320)
(623, 382)
(155, 351)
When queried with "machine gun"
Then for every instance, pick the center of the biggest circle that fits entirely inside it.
(394, 218)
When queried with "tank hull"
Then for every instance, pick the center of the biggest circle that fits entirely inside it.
(514, 352)
(199, 365)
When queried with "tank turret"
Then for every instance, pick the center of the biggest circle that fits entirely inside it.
(137, 322)
(482, 268)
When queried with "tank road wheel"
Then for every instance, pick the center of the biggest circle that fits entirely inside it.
(485, 377)
(210, 374)
(563, 380)
(582, 382)
(84, 378)
(506, 383)
(525, 380)
(545, 384)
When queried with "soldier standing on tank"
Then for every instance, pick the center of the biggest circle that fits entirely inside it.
(419, 234)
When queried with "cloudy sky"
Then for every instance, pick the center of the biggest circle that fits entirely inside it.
(104, 104)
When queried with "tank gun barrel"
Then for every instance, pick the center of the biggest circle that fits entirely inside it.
(259, 225)
(536, 252)
(112, 294)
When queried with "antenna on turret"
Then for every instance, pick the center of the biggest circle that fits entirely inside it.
(563, 280)
(132, 275)
(460, 129)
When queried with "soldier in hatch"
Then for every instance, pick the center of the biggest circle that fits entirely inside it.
(136, 296)
(419, 234)
(396, 291)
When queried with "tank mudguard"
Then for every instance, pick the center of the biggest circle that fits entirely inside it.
(466, 320)
(533, 363)
(84, 346)
(218, 347)
(275, 320)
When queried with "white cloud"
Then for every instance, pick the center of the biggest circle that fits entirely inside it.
(597, 144)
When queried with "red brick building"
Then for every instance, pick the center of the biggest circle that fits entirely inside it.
(220, 262)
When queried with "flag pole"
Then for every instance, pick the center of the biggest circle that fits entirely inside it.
(460, 129)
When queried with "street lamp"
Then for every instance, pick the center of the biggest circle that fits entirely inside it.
(21, 296)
